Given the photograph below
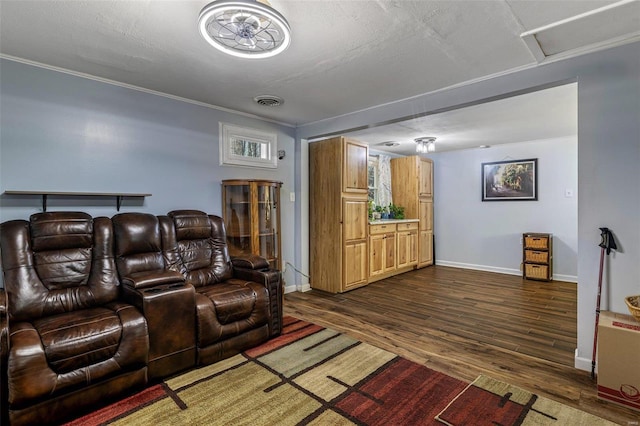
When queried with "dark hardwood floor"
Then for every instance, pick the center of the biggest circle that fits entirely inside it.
(465, 323)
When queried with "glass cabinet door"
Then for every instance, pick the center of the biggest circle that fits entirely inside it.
(252, 218)
(237, 218)
(268, 223)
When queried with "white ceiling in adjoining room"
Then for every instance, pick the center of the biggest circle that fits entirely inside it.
(540, 115)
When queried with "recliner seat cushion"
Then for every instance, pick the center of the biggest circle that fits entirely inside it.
(94, 337)
(33, 377)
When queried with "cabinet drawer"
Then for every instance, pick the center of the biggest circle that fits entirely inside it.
(407, 226)
(381, 229)
(536, 272)
(536, 242)
(536, 256)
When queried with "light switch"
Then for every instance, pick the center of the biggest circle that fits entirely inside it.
(292, 197)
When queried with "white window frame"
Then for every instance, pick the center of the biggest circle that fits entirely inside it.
(230, 134)
(373, 161)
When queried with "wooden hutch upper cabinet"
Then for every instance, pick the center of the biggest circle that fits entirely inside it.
(355, 163)
(412, 188)
(338, 213)
(251, 213)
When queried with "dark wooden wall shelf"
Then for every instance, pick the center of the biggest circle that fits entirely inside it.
(44, 194)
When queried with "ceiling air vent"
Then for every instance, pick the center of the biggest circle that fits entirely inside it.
(268, 100)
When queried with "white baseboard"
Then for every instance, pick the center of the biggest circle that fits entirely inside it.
(582, 363)
(301, 288)
(496, 269)
(479, 267)
(567, 278)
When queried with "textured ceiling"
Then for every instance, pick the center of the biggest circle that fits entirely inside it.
(345, 56)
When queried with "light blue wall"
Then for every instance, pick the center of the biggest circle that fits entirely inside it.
(490, 237)
(53, 127)
(608, 159)
(60, 132)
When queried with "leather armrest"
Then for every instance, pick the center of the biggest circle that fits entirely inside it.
(4, 332)
(250, 261)
(3, 303)
(148, 279)
(4, 353)
(272, 280)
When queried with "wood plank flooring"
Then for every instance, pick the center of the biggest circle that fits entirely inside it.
(465, 323)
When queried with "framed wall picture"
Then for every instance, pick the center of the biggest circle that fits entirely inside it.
(510, 180)
(242, 146)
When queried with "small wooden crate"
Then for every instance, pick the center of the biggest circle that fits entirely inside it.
(536, 272)
(535, 256)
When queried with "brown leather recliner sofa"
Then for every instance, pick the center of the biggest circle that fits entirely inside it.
(95, 308)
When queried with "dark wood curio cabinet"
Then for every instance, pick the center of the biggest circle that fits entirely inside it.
(251, 213)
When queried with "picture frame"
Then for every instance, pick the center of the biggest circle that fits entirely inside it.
(510, 180)
(243, 146)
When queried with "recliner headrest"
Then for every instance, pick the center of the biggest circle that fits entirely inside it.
(61, 230)
(191, 224)
(136, 233)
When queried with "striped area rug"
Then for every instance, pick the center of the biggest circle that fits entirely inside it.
(490, 402)
(311, 375)
(308, 375)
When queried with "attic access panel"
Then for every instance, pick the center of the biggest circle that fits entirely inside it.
(614, 24)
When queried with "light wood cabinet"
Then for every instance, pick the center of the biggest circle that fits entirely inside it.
(382, 249)
(412, 188)
(426, 178)
(355, 265)
(356, 157)
(338, 216)
(425, 256)
(407, 248)
(355, 216)
(393, 248)
(251, 214)
(355, 242)
(425, 249)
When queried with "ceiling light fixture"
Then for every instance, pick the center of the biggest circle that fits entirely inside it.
(244, 28)
(425, 144)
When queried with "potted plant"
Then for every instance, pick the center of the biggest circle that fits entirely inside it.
(384, 211)
(396, 212)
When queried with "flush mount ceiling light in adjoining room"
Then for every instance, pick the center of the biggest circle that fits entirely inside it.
(244, 28)
(425, 144)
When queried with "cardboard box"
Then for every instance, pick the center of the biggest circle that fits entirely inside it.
(619, 359)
